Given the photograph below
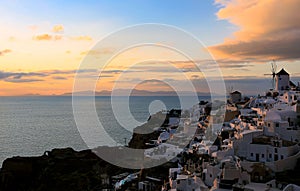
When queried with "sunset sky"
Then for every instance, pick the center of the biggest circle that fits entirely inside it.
(44, 42)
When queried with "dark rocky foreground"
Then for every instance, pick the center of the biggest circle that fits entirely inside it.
(60, 169)
(64, 169)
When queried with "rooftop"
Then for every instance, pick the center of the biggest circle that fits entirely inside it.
(282, 72)
(236, 92)
(267, 140)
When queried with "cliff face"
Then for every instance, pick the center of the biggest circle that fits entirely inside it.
(147, 132)
(60, 169)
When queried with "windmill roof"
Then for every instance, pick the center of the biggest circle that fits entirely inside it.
(282, 72)
(236, 92)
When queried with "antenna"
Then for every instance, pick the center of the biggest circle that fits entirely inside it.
(273, 72)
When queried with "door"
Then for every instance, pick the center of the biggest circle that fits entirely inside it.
(257, 157)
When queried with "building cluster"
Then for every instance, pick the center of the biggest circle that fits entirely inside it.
(244, 149)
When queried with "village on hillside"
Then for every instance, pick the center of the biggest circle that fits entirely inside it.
(257, 145)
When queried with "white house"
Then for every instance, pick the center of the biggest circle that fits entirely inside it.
(289, 97)
(182, 181)
(242, 141)
(211, 173)
(270, 149)
(282, 123)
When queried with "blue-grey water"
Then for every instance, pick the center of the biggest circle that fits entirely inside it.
(29, 126)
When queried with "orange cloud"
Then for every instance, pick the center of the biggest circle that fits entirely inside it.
(43, 37)
(82, 38)
(47, 37)
(58, 29)
(267, 29)
(98, 52)
(5, 51)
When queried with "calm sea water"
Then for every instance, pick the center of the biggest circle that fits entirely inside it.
(31, 125)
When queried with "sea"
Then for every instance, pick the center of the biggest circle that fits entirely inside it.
(31, 125)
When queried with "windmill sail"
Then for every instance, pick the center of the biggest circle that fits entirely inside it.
(273, 72)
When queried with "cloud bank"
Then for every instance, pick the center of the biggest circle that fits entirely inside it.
(268, 29)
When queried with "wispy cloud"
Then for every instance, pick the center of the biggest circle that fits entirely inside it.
(49, 72)
(59, 78)
(5, 51)
(19, 77)
(47, 37)
(13, 80)
(58, 29)
(108, 50)
(194, 66)
(81, 38)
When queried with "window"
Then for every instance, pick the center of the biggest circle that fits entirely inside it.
(252, 154)
(178, 181)
(269, 125)
(276, 150)
(270, 155)
(277, 124)
(210, 175)
(281, 157)
(262, 155)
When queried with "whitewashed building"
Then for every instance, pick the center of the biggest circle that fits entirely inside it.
(282, 80)
(270, 149)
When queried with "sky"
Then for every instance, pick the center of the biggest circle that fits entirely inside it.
(44, 43)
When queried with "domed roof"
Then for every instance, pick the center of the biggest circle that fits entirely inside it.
(269, 101)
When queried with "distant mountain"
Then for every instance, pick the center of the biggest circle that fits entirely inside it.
(136, 92)
(29, 95)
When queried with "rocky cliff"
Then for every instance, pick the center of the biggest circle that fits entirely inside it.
(59, 169)
(66, 169)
